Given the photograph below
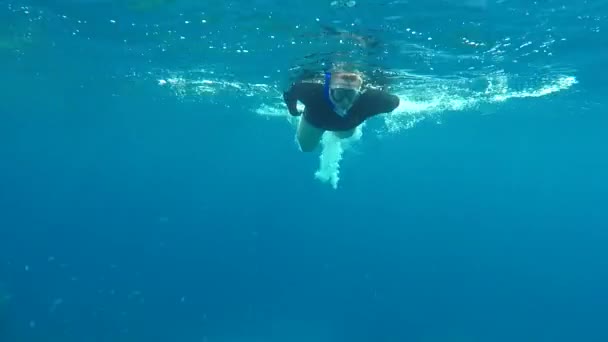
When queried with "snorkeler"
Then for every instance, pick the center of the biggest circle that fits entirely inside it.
(339, 105)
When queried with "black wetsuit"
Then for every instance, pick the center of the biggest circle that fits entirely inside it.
(319, 112)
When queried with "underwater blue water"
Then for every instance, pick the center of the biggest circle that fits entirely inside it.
(151, 189)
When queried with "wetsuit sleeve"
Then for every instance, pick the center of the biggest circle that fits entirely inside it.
(378, 102)
(300, 91)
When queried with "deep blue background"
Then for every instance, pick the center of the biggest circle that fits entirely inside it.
(155, 219)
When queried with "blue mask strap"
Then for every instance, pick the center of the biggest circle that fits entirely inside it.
(326, 89)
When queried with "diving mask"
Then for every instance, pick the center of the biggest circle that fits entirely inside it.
(342, 91)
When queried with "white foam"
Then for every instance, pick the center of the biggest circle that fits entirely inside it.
(421, 97)
(562, 83)
(427, 101)
(202, 82)
(271, 110)
(333, 149)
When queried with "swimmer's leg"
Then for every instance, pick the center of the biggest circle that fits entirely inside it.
(308, 136)
(345, 134)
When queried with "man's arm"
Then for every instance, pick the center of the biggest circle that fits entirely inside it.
(299, 91)
(379, 102)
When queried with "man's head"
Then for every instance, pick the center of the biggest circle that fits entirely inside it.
(344, 88)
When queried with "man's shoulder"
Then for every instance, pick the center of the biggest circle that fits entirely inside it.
(379, 95)
(311, 81)
(378, 100)
(375, 92)
(307, 89)
(309, 85)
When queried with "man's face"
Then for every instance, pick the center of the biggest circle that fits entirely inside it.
(344, 88)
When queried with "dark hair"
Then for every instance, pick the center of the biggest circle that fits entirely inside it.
(348, 77)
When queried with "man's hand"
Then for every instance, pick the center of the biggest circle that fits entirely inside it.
(292, 104)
